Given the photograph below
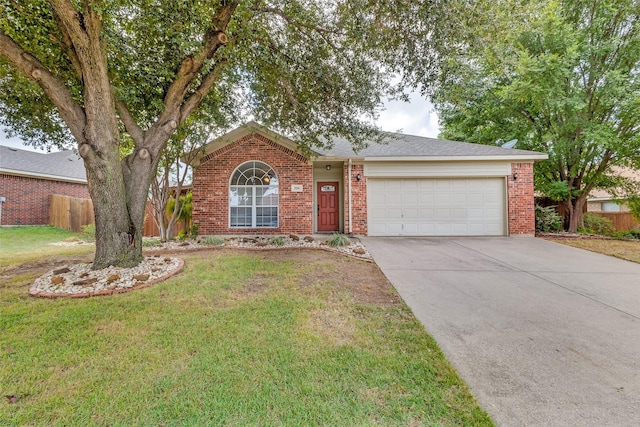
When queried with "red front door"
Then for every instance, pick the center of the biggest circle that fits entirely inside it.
(328, 203)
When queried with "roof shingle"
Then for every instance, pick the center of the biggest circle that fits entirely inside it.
(400, 145)
(63, 165)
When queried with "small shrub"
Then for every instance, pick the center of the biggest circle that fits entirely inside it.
(548, 220)
(188, 233)
(596, 224)
(212, 240)
(147, 243)
(627, 234)
(276, 241)
(89, 232)
(338, 240)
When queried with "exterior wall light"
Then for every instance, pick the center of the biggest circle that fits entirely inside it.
(328, 167)
(358, 177)
(515, 176)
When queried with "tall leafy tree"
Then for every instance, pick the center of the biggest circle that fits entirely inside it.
(560, 76)
(105, 72)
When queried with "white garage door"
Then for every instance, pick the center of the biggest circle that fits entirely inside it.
(436, 207)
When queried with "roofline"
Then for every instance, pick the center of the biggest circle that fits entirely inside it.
(248, 128)
(517, 157)
(28, 174)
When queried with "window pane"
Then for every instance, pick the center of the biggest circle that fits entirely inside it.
(266, 196)
(240, 217)
(240, 196)
(266, 217)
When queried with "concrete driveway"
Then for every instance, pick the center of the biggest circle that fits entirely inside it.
(544, 334)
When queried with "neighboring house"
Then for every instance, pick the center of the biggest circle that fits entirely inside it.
(603, 201)
(254, 181)
(28, 178)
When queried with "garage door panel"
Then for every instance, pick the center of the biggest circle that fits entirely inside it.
(409, 199)
(458, 214)
(442, 199)
(436, 207)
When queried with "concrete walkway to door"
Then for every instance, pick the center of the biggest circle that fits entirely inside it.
(544, 334)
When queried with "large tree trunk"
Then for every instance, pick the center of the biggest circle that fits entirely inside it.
(574, 208)
(119, 192)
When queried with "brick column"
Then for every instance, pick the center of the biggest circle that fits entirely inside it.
(358, 199)
(521, 200)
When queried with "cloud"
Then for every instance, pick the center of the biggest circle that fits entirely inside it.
(416, 117)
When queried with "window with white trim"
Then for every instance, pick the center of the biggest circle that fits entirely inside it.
(253, 196)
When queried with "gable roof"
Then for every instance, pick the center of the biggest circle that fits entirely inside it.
(411, 147)
(399, 147)
(242, 131)
(61, 166)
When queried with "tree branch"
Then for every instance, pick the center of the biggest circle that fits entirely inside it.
(130, 124)
(67, 45)
(189, 71)
(193, 101)
(70, 22)
(72, 114)
(191, 66)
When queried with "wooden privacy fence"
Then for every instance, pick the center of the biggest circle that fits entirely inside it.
(151, 229)
(70, 213)
(622, 221)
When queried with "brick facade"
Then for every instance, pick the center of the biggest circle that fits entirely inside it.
(27, 199)
(211, 187)
(521, 207)
(296, 209)
(358, 199)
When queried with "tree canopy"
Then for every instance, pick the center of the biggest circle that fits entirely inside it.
(110, 72)
(560, 76)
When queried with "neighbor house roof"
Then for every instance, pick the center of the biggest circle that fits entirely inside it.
(396, 147)
(603, 195)
(60, 166)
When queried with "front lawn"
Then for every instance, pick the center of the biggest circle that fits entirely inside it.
(22, 244)
(289, 337)
(624, 249)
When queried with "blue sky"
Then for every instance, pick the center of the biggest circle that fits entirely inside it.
(416, 117)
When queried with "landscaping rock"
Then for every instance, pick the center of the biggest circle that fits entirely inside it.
(105, 281)
(261, 244)
(85, 282)
(294, 237)
(359, 251)
(309, 239)
(57, 280)
(61, 270)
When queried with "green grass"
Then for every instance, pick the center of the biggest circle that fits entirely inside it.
(33, 243)
(236, 339)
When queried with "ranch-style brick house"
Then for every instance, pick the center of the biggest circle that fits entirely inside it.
(254, 181)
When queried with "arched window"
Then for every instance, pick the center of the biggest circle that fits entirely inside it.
(253, 196)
